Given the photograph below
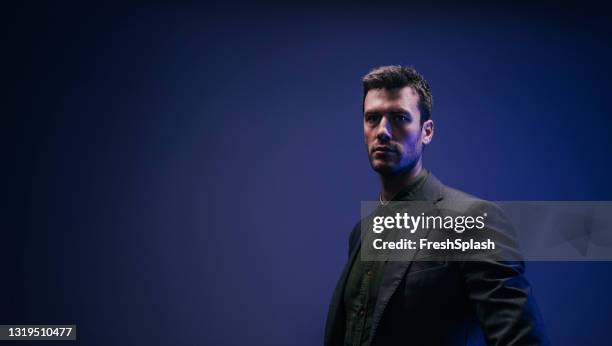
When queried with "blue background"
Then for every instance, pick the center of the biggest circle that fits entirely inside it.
(190, 174)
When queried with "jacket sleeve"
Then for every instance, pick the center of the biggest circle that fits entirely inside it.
(499, 291)
(354, 238)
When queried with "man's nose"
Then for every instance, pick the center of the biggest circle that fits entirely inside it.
(383, 132)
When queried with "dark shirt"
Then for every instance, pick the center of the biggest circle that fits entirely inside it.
(363, 283)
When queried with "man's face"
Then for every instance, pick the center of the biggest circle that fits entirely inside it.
(392, 128)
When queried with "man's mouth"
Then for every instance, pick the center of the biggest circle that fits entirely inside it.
(383, 150)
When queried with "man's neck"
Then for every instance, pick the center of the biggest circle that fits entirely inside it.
(392, 184)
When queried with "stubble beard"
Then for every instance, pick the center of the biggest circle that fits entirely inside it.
(406, 163)
(388, 171)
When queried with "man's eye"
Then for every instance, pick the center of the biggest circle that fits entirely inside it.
(401, 119)
(372, 118)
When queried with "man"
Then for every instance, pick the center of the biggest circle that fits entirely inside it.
(422, 302)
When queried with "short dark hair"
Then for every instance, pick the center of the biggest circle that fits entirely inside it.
(394, 77)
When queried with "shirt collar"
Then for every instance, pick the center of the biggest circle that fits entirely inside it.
(410, 191)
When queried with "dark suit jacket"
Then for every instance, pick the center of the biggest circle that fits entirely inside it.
(445, 302)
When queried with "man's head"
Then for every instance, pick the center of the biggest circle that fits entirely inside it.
(397, 118)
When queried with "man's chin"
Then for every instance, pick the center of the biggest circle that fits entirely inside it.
(384, 168)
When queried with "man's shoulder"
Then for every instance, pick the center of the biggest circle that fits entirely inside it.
(458, 200)
(443, 193)
(453, 195)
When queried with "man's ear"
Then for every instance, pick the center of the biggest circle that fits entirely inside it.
(427, 131)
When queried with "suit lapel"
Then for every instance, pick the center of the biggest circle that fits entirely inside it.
(394, 271)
